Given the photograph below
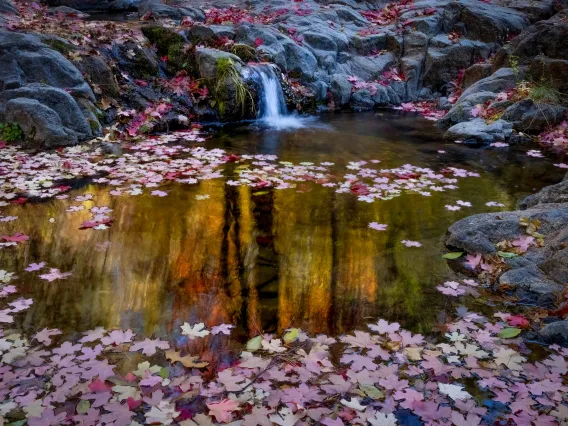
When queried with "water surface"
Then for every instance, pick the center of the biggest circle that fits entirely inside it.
(266, 260)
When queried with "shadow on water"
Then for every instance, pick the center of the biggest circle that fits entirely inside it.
(266, 259)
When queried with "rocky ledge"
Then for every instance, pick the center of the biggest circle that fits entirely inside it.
(539, 232)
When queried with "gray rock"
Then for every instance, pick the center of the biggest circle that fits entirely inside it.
(299, 60)
(362, 100)
(529, 283)
(479, 233)
(158, 10)
(65, 10)
(554, 72)
(57, 100)
(479, 131)
(556, 332)
(341, 89)
(99, 73)
(136, 60)
(475, 73)
(6, 6)
(527, 116)
(500, 81)
(32, 61)
(551, 194)
(557, 266)
(40, 124)
(207, 61)
(208, 33)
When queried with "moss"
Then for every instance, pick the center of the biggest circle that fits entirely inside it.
(231, 93)
(94, 125)
(245, 52)
(179, 59)
(162, 37)
(59, 45)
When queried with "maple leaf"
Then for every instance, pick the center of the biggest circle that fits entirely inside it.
(187, 361)
(383, 327)
(93, 335)
(222, 411)
(328, 421)
(35, 266)
(258, 417)
(285, 417)
(18, 237)
(164, 413)
(149, 347)
(509, 358)
(222, 329)
(518, 321)
(382, 419)
(272, 346)
(460, 420)
(55, 274)
(44, 336)
(378, 226)
(118, 337)
(194, 331)
(453, 391)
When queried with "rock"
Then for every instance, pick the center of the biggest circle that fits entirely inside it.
(554, 333)
(124, 5)
(67, 11)
(32, 61)
(300, 62)
(535, 11)
(99, 73)
(362, 100)
(7, 7)
(545, 38)
(209, 33)
(475, 73)
(40, 124)
(551, 194)
(553, 72)
(479, 131)
(527, 116)
(208, 61)
(57, 100)
(82, 5)
(137, 61)
(479, 233)
(341, 89)
(528, 283)
(245, 52)
(479, 93)
(156, 9)
(557, 266)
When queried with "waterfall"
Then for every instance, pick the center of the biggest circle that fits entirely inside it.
(272, 105)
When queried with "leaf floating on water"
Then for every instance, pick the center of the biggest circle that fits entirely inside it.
(453, 255)
(254, 344)
(291, 335)
(509, 333)
(187, 361)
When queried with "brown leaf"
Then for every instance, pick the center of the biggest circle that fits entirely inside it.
(188, 360)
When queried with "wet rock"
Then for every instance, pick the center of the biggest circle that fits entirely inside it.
(67, 11)
(554, 333)
(557, 266)
(479, 131)
(528, 116)
(208, 61)
(57, 100)
(553, 72)
(244, 52)
(362, 100)
(82, 5)
(40, 124)
(300, 62)
(209, 33)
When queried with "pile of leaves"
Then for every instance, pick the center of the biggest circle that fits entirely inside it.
(477, 374)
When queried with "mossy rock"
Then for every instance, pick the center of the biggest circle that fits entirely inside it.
(61, 46)
(171, 44)
(245, 52)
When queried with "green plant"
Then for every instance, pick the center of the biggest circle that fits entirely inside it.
(11, 132)
(514, 61)
(227, 71)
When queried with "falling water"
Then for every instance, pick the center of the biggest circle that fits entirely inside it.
(272, 108)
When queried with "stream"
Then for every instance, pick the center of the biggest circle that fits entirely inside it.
(266, 260)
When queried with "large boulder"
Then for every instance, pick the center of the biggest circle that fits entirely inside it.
(208, 61)
(25, 59)
(40, 124)
(528, 116)
(479, 131)
(57, 100)
(158, 10)
(554, 333)
(6, 6)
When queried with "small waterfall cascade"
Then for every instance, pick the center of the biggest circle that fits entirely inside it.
(272, 105)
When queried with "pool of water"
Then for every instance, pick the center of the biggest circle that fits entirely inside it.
(266, 260)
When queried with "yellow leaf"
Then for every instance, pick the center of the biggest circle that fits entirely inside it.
(188, 360)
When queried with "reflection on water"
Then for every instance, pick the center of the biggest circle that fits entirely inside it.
(264, 260)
